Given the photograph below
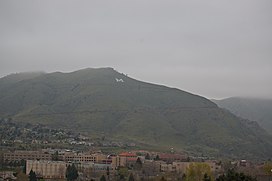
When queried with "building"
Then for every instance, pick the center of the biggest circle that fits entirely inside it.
(152, 167)
(170, 157)
(181, 166)
(123, 159)
(73, 157)
(168, 167)
(215, 166)
(26, 155)
(243, 163)
(81, 157)
(47, 169)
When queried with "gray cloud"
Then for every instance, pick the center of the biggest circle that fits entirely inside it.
(211, 48)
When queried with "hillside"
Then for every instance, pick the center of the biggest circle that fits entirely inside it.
(259, 110)
(103, 101)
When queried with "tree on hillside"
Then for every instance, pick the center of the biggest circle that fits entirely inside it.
(21, 176)
(122, 172)
(147, 156)
(103, 178)
(196, 171)
(138, 164)
(235, 176)
(268, 168)
(108, 172)
(55, 156)
(162, 179)
(131, 178)
(206, 178)
(32, 176)
(157, 157)
(23, 165)
(71, 173)
(183, 176)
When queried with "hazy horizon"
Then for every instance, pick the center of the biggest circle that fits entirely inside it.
(216, 49)
(211, 98)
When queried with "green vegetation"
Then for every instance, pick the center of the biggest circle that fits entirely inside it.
(32, 176)
(55, 156)
(103, 178)
(162, 179)
(231, 175)
(93, 102)
(259, 110)
(138, 164)
(71, 173)
(147, 156)
(268, 168)
(122, 172)
(207, 177)
(21, 176)
(198, 172)
(131, 178)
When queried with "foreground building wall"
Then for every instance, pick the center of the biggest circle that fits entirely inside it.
(47, 169)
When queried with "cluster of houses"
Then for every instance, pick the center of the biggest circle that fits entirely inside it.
(52, 164)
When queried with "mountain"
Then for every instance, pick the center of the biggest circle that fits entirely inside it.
(259, 110)
(105, 102)
(17, 77)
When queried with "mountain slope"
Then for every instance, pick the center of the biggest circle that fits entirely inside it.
(254, 109)
(103, 101)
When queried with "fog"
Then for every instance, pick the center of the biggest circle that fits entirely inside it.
(212, 48)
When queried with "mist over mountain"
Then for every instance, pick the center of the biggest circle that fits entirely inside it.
(105, 102)
(255, 109)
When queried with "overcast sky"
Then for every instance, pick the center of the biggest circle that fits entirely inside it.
(213, 48)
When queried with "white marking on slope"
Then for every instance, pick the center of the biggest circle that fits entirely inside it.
(119, 80)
